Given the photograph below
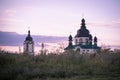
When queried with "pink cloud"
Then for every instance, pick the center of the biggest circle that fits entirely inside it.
(106, 24)
(10, 12)
(9, 21)
(7, 17)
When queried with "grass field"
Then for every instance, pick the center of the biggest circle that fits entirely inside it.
(64, 66)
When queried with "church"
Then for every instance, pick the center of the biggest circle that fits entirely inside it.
(28, 45)
(84, 42)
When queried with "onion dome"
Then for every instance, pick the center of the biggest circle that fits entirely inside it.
(29, 38)
(83, 22)
(70, 38)
(90, 37)
(95, 39)
(82, 32)
(70, 45)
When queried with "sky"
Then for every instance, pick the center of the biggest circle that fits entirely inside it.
(62, 17)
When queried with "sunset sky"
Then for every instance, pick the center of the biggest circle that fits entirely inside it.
(62, 17)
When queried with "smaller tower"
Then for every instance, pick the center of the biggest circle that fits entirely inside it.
(70, 41)
(29, 45)
(95, 41)
(90, 39)
(70, 45)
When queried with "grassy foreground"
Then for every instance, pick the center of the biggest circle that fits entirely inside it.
(65, 66)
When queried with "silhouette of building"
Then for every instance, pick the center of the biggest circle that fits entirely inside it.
(83, 41)
(29, 45)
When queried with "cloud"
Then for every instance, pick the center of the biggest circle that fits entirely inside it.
(7, 17)
(114, 23)
(10, 12)
(9, 21)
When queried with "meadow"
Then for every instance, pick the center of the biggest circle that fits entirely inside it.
(104, 65)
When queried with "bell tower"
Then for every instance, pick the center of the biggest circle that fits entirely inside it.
(29, 45)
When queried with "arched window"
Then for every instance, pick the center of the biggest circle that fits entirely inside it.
(86, 40)
(78, 49)
(80, 40)
(76, 41)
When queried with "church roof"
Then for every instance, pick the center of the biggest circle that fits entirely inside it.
(89, 47)
(82, 32)
(69, 47)
(83, 47)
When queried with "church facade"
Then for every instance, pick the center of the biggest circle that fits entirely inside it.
(84, 42)
(28, 45)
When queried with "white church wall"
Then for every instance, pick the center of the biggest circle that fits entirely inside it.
(29, 47)
(88, 51)
(85, 51)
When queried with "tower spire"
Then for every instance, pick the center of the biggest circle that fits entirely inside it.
(83, 23)
(29, 31)
(70, 41)
(70, 37)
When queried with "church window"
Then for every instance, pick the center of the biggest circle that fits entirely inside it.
(76, 41)
(86, 40)
(78, 49)
(80, 40)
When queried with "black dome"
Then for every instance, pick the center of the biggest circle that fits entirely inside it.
(29, 38)
(95, 39)
(83, 32)
(90, 37)
(70, 38)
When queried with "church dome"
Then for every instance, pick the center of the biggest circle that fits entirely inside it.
(70, 38)
(90, 37)
(95, 39)
(29, 38)
(82, 32)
